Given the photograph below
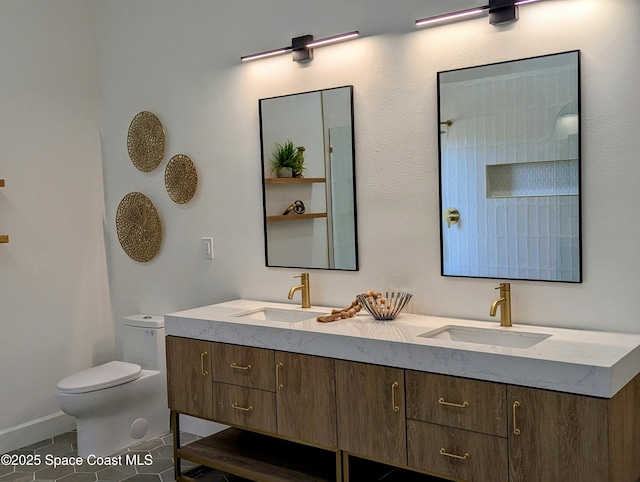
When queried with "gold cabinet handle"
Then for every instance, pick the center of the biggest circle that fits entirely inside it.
(394, 387)
(202, 369)
(453, 456)
(235, 406)
(240, 367)
(278, 382)
(442, 401)
(516, 430)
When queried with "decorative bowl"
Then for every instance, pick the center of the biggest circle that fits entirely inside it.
(385, 307)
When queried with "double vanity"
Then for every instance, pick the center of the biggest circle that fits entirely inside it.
(358, 398)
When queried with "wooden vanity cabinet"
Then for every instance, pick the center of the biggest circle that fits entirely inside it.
(320, 419)
(243, 366)
(306, 398)
(371, 411)
(281, 407)
(244, 407)
(455, 453)
(244, 387)
(457, 427)
(288, 394)
(456, 402)
(189, 376)
(564, 437)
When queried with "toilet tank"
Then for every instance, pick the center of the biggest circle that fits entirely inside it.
(143, 341)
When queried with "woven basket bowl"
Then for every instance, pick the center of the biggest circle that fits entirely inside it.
(387, 307)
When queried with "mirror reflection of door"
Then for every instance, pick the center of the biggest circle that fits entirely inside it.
(510, 164)
(341, 227)
(324, 236)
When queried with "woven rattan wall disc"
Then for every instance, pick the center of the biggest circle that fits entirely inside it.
(138, 226)
(146, 141)
(181, 179)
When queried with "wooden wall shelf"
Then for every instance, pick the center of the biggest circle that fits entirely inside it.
(296, 217)
(294, 180)
(1, 182)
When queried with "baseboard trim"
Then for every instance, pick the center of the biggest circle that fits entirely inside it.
(34, 431)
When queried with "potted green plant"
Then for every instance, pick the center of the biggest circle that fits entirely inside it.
(285, 160)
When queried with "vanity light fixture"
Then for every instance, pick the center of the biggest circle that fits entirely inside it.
(334, 39)
(454, 17)
(302, 47)
(268, 53)
(499, 11)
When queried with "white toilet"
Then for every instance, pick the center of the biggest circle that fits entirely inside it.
(121, 403)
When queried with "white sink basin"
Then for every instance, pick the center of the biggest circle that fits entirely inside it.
(486, 336)
(278, 314)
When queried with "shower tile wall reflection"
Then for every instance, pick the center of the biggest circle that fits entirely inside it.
(520, 233)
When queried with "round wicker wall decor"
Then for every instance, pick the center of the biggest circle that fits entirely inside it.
(181, 179)
(138, 226)
(146, 141)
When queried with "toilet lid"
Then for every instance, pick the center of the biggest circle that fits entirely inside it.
(103, 376)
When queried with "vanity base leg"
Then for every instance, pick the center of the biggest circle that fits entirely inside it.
(175, 426)
(345, 465)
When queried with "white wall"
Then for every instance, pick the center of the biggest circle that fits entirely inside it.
(55, 312)
(181, 60)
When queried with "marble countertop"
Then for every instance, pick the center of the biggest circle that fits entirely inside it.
(574, 361)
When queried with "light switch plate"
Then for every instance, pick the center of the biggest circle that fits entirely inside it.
(207, 248)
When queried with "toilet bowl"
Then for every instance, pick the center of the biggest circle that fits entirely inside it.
(121, 403)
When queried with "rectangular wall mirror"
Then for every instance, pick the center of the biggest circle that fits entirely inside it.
(309, 210)
(509, 147)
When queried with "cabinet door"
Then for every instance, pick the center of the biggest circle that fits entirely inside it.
(244, 407)
(306, 398)
(557, 436)
(243, 365)
(457, 402)
(189, 384)
(371, 412)
(461, 454)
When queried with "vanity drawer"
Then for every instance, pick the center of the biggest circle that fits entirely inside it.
(244, 366)
(456, 453)
(244, 407)
(457, 402)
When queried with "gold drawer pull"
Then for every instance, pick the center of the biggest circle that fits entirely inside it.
(453, 456)
(278, 382)
(202, 370)
(394, 387)
(235, 406)
(239, 367)
(441, 401)
(516, 430)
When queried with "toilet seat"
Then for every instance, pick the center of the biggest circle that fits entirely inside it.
(100, 377)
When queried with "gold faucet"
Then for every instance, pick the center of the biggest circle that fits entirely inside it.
(306, 296)
(505, 302)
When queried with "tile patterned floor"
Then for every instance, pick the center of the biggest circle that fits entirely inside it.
(159, 449)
